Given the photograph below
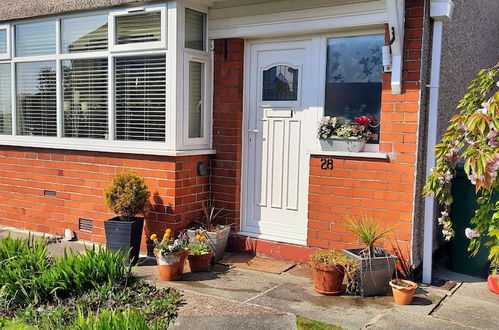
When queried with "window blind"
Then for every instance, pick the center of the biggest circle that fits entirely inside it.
(85, 98)
(3, 41)
(196, 99)
(36, 98)
(138, 28)
(35, 39)
(5, 100)
(194, 29)
(140, 87)
(84, 34)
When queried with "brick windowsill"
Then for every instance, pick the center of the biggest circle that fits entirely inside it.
(364, 154)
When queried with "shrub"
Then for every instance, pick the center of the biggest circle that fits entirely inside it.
(127, 195)
(111, 320)
(29, 276)
(368, 231)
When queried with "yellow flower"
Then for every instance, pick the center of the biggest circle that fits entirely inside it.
(168, 232)
(153, 236)
(198, 237)
(202, 238)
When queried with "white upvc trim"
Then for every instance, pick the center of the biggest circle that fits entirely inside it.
(204, 141)
(274, 238)
(134, 147)
(396, 19)
(113, 15)
(8, 40)
(440, 11)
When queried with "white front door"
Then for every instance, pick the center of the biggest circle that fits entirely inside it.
(280, 116)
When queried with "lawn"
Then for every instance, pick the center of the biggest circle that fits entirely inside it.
(303, 323)
(95, 289)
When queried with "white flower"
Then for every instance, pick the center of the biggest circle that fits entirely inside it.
(470, 233)
(482, 111)
(444, 213)
(448, 175)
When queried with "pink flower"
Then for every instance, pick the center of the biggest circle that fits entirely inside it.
(472, 178)
(363, 121)
(470, 233)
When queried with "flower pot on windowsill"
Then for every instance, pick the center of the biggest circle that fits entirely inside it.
(217, 241)
(348, 144)
(123, 233)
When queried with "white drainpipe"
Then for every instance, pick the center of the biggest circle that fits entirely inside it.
(440, 11)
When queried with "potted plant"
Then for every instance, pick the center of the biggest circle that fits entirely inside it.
(340, 134)
(210, 225)
(170, 255)
(377, 266)
(403, 291)
(493, 279)
(127, 196)
(329, 268)
(199, 255)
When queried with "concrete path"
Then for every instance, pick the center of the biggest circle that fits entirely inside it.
(235, 298)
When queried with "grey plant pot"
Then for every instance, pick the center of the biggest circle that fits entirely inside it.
(343, 144)
(217, 240)
(375, 273)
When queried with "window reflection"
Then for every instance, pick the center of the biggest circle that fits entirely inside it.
(354, 78)
(36, 98)
(3, 41)
(280, 83)
(84, 34)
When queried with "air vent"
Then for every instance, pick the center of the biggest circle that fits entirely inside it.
(50, 193)
(85, 225)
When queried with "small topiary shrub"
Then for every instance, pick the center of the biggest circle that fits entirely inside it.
(127, 195)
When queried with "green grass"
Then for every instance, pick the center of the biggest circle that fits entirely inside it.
(303, 323)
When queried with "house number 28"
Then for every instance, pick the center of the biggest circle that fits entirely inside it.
(327, 163)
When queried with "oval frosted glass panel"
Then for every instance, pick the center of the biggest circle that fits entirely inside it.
(194, 29)
(280, 83)
(3, 41)
(35, 39)
(85, 98)
(36, 98)
(5, 100)
(138, 28)
(354, 78)
(84, 34)
(196, 110)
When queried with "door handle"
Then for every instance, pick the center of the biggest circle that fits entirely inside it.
(253, 130)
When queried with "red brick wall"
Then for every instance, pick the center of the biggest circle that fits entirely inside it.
(79, 178)
(380, 189)
(227, 126)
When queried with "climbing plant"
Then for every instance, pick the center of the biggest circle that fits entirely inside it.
(472, 138)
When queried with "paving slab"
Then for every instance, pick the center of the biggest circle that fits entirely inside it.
(248, 261)
(393, 320)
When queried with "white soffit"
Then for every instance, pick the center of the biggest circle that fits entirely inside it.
(259, 19)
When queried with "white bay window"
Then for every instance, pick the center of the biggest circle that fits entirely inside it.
(123, 80)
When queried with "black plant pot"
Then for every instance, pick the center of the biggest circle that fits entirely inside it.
(375, 273)
(124, 234)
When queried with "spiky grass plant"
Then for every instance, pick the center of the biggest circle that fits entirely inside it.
(368, 230)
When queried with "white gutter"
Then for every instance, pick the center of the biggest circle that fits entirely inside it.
(440, 12)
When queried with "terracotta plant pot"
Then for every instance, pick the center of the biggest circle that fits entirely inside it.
(171, 266)
(200, 262)
(328, 278)
(493, 283)
(403, 291)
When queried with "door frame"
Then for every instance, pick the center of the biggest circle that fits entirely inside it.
(315, 45)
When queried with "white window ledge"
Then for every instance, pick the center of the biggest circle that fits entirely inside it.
(364, 154)
(91, 145)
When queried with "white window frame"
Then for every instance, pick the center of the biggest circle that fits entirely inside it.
(172, 46)
(205, 94)
(114, 47)
(7, 55)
